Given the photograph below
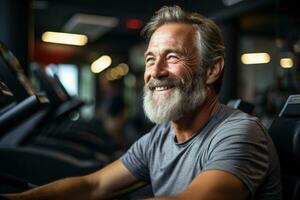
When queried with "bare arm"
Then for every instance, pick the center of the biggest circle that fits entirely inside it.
(212, 185)
(106, 183)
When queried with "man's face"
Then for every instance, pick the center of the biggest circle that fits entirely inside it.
(173, 79)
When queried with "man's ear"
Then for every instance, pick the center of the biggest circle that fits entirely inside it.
(214, 72)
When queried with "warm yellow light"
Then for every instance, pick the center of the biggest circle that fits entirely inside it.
(101, 64)
(115, 73)
(119, 70)
(286, 63)
(124, 67)
(255, 58)
(108, 76)
(65, 38)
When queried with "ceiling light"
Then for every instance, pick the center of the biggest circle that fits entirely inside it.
(115, 73)
(255, 58)
(122, 69)
(286, 63)
(64, 38)
(101, 64)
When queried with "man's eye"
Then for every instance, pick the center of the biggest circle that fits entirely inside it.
(149, 60)
(172, 58)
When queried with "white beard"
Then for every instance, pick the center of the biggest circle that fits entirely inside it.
(187, 96)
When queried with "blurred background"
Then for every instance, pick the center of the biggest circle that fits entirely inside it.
(104, 64)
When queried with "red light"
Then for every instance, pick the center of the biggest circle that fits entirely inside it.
(134, 23)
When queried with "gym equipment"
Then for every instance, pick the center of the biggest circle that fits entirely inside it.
(12, 74)
(12, 184)
(285, 132)
(42, 166)
(36, 159)
(20, 116)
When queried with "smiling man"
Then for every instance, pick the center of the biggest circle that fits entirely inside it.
(199, 149)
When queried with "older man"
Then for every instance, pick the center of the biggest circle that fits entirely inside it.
(199, 149)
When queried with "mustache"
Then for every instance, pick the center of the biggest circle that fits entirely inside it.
(166, 81)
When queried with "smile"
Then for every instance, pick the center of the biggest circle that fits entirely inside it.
(161, 88)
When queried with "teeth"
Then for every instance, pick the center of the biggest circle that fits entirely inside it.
(161, 88)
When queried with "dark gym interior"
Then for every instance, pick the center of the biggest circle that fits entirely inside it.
(63, 113)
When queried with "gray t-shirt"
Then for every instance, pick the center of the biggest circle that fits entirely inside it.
(231, 141)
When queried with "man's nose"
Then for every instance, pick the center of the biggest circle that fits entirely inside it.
(159, 69)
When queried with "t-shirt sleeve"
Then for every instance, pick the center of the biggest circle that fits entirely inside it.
(240, 148)
(135, 159)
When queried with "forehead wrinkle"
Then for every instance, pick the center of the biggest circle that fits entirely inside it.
(164, 51)
(163, 41)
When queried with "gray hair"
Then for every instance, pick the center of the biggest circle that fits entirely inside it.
(211, 40)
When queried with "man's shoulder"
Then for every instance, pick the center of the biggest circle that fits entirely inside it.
(232, 115)
(233, 121)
